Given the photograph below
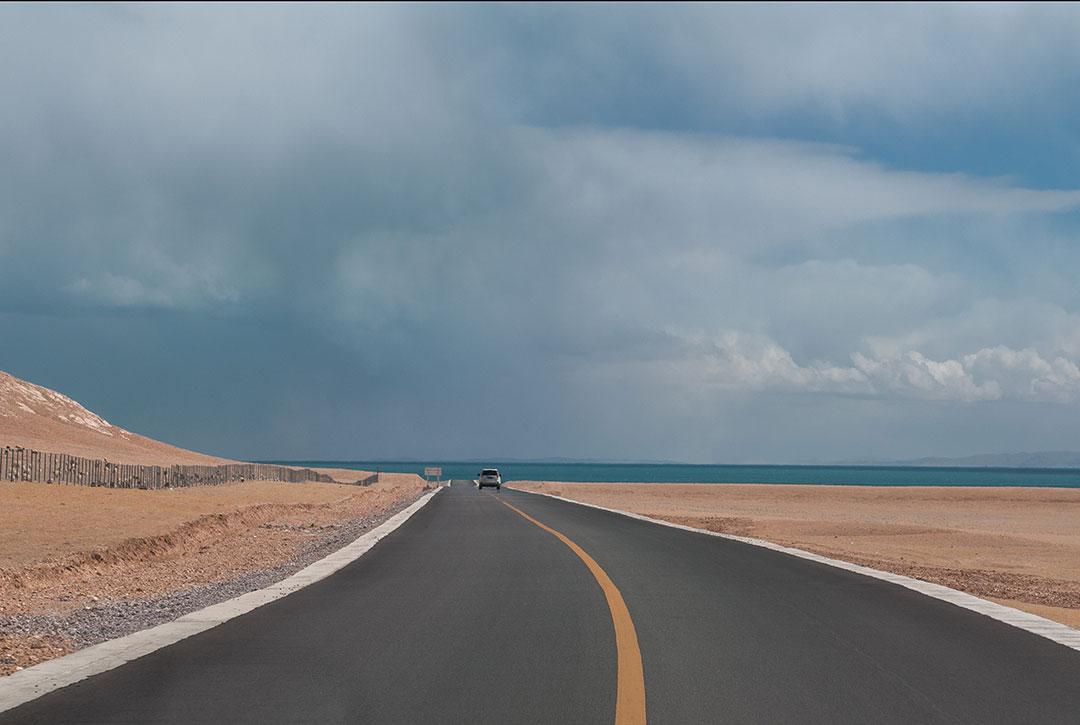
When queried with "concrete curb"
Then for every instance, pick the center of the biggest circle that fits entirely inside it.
(33, 682)
(1060, 633)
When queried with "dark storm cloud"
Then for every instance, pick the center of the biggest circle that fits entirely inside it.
(384, 231)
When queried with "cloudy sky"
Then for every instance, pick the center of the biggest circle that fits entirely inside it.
(708, 233)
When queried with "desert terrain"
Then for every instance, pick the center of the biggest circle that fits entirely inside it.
(82, 564)
(32, 416)
(1015, 546)
(79, 565)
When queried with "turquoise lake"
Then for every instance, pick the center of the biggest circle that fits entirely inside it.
(681, 473)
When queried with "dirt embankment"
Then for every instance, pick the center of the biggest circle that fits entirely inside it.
(79, 565)
(1017, 546)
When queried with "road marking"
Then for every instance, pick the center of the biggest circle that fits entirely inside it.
(630, 680)
(1055, 631)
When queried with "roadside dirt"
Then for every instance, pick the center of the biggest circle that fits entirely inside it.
(70, 548)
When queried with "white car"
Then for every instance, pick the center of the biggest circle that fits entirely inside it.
(489, 477)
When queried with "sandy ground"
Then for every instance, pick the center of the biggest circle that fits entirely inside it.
(64, 548)
(1016, 546)
(80, 564)
(43, 522)
(350, 475)
(32, 416)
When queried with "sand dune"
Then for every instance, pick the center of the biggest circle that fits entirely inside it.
(36, 417)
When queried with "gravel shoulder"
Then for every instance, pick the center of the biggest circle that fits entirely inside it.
(80, 565)
(1016, 546)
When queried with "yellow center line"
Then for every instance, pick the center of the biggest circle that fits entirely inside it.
(630, 680)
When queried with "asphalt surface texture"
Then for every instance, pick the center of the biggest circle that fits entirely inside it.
(470, 613)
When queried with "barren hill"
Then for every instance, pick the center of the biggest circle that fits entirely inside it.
(35, 417)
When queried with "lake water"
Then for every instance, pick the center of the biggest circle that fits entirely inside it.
(679, 473)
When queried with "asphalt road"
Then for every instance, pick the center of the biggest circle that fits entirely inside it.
(470, 613)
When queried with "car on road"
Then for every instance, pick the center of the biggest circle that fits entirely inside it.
(489, 477)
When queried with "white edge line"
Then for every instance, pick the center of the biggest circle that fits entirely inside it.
(33, 682)
(1060, 633)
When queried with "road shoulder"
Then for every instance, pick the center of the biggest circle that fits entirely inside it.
(33, 682)
(1034, 624)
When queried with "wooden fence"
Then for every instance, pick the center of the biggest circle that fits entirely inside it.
(23, 464)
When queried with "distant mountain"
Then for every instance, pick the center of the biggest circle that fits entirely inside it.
(586, 461)
(1039, 459)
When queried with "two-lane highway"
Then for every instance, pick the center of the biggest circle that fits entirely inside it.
(475, 611)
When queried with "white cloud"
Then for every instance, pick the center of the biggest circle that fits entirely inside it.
(913, 375)
(746, 193)
(754, 362)
(979, 322)
(1025, 374)
(742, 362)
